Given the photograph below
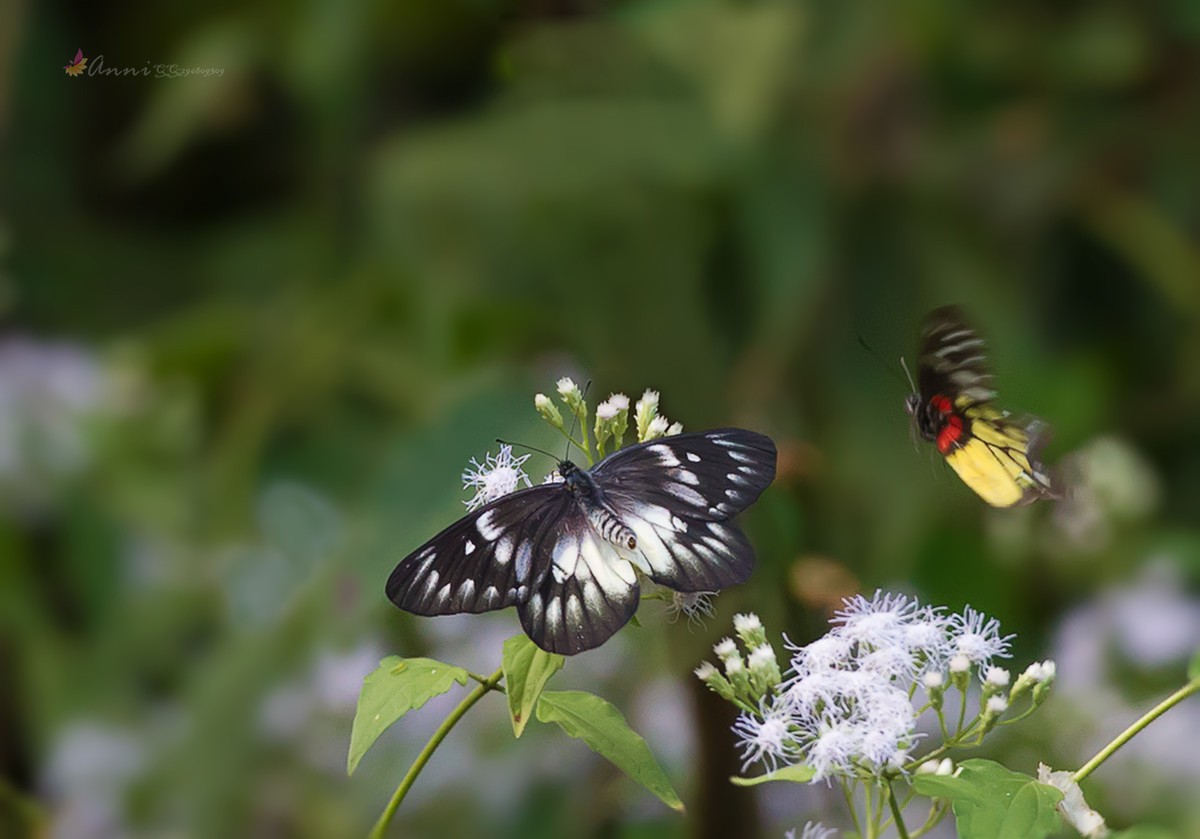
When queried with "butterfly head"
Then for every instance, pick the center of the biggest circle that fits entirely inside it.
(929, 416)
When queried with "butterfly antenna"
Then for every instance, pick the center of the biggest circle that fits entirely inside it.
(524, 446)
(884, 361)
(908, 375)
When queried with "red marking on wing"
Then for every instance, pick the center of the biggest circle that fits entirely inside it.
(951, 431)
(941, 404)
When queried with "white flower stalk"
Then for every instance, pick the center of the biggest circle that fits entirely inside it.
(644, 413)
(764, 668)
(497, 476)
(715, 682)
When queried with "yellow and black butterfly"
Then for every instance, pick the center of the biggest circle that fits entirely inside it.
(993, 452)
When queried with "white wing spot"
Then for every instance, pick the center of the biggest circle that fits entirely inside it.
(734, 477)
(469, 547)
(684, 493)
(727, 443)
(504, 550)
(485, 527)
(524, 560)
(443, 594)
(490, 595)
(574, 612)
(665, 456)
(741, 457)
(679, 524)
(687, 477)
(553, 615)
(466, 592)
(693, 457)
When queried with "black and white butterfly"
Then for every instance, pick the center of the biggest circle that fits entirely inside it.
(568, 554)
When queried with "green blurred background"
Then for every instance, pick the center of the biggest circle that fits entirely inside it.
(255, 325)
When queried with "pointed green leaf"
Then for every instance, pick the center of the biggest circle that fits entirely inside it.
(799, 774)
(1193, 671)
(397, 686)
(992, 802)
(527, 668)
(601, 726)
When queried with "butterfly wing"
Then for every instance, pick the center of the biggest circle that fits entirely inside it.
(589, 592)
(677, 494)
(993, 452)
(489, 559)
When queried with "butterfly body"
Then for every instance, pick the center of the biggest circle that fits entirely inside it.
(993, 452)
(568, 554)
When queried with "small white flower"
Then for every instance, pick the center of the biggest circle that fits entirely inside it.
(725, 648)
(555, 477)
(762, 658)
(833, 750)
(605, 412)
(1049, 669)
(997, 676)
(933, 680)
(960, 664)
(877, 622)
(812, 830)
(542, 402)
(746, 623)
(893, 662)
(648, 401)
(827, 652)
(705, 671)
(977, 637)
(497, 476)
(616, 402)
(657, 428)
(734, 665)
(675, 428)
(997, 705)
(567, 387)
(946, 767)
(766, 737)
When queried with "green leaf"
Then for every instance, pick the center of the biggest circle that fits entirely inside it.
(1193, 671)
(601, 726)
(397, 686)
(799, 774)
(1146, 831)
(527, 668)
(991, 802)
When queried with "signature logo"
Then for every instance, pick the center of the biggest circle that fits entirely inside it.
(77, 65)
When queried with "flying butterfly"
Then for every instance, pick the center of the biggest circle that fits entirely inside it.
(995, 453)
(568, 554)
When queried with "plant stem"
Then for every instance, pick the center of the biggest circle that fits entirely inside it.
(1126, 735)
(474, 696)
(849, 795)
(901, 830)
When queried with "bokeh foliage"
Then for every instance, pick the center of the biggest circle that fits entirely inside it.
(311, 288)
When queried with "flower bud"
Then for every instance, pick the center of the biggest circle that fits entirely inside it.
(548, 411)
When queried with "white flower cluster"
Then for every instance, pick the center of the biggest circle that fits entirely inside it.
(845, 709)
(497, 476)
